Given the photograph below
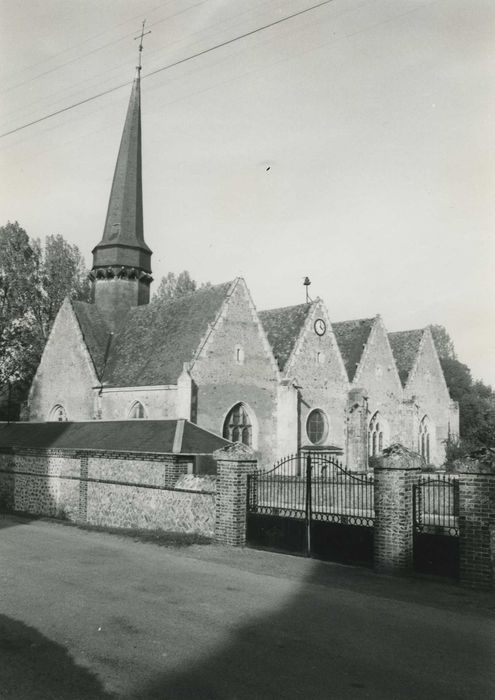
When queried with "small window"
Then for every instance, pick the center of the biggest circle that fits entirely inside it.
(317, 427)
(237, 426)
(137, 410)
(424, 439)
(320, 358)
(58, 413)
(239, 355)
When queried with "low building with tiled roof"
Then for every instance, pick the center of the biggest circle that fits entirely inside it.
(278, 380)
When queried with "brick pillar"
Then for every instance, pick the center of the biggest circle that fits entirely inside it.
(357, 431)
(174, 467)
(476, 524)
(83, 489)
(234, 463)
(396, 472)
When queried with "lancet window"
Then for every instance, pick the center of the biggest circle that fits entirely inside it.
(238, 426)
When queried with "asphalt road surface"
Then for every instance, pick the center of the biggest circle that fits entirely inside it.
(92, 615)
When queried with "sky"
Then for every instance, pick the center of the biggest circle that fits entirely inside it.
(353, 144)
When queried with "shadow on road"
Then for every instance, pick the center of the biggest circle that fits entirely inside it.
(326, 644)
(33, 667)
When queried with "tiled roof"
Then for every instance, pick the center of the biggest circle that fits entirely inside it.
(153, 341)
(282, 327)
(156, 436)
(351, 338)
(405, 347)
(95, 332)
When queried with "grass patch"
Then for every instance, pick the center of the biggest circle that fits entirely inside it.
(161, 538)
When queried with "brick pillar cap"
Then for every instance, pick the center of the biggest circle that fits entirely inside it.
(237, 451)
(473, 466)
(399, 457)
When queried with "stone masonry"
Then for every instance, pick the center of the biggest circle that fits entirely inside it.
(127, 490)
(477, 524)
(395, 475)
(234, 463)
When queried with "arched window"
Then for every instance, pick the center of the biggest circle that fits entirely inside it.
(377, 435)
(137, 410)
(424, 439)
(237, 426)
(317, 427)
(58, 413)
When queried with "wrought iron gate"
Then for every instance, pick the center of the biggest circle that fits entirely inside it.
(436, 526)
(309, 504)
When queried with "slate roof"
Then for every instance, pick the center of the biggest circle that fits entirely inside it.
(95, 332)
(282, 327)
(155, 436)
(405, 347)
(153, 341)
(351, 337)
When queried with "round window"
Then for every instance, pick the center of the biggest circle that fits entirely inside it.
(317, 427)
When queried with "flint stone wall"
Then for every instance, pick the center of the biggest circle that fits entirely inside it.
(115, 490)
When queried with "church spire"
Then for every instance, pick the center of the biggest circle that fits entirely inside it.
(121, 270)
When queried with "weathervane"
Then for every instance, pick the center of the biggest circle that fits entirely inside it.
(140, 37)
(306, 283)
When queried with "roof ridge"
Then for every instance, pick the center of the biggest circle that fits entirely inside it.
(356, 320)
(308, 304)
(409, 330)
(200, 290)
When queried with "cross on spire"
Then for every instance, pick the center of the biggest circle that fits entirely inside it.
(140, 37)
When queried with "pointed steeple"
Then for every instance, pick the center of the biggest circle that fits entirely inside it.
(123, 238)
(121, 270)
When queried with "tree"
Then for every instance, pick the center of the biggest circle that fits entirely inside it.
(18, 264)
(476, 399)
(458, 377)
(33, 283)
(443, 342)
(173, 286)
(64, 274)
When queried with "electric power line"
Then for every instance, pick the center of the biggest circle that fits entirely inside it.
(82, 43)
(169, 66)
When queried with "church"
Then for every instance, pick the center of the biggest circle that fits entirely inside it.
(279, 380)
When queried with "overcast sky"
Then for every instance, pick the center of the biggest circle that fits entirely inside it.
(375, 118)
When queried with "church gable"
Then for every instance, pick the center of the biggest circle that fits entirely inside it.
(377, 371)
(235, 342)
(426, 380)
(235, 374)
(63, 384)
(152, 343)
(317, 367)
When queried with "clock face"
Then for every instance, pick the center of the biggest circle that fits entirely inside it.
(320, 326)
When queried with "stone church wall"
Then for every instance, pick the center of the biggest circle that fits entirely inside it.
(65, 375)
(121, 490)
(427, 388)
(159, 404)
(222, 381)
(319, 371)
(380, 380)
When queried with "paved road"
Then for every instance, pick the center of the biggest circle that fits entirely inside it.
(87, 615)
